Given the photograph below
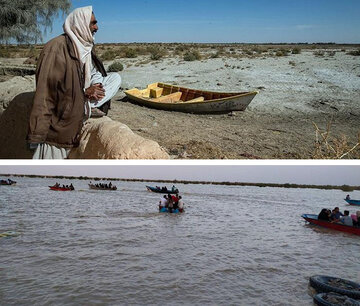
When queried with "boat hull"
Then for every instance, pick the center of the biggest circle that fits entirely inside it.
(60, 188)
(175, 211)
(353, 202)
(153, 189)
(225, 103)
(6, 183)
(313, 219)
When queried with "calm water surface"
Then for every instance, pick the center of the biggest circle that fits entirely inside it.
(233, 246)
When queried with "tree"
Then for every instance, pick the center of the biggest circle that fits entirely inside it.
(24, 20)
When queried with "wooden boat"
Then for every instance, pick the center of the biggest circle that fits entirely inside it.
(93, 186)
(313, 219)
(7, 182)
(174, 98)
(157, 190)
(60, 188)
(353, 202)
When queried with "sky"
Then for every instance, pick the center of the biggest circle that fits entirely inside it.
(299, 174)
(242, 21)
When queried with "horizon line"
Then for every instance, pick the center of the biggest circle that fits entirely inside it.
(343, 187)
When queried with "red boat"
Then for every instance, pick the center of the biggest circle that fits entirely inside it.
(313, 219)
(60, 188)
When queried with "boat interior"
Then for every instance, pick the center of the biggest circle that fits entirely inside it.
(164, 93)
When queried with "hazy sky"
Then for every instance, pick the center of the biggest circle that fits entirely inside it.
(223, 21)
(319, 175)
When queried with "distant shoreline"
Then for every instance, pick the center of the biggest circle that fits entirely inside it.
(345, 188)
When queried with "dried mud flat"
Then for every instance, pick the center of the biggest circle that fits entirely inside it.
(295, 91)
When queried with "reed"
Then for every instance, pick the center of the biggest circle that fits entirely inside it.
(334, 147)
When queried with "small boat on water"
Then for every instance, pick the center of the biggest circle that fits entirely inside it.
(162, 190)
(324, 283)
(175, 211)
(313, 219)
(94, 187)
(7, 182)
(61, 188)
(353, 202)
(174, 98)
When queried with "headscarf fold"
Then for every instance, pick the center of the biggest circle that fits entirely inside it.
(77, 27)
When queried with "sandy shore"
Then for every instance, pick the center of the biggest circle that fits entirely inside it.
(295, 91)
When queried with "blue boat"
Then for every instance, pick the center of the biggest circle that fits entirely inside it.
(353, 202)
(165, 210)
(160, 190)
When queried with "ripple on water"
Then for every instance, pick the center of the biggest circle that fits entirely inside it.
(233, 246)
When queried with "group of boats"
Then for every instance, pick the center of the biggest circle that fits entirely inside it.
(334, 291)
(173, 193)
(313, 219)
(98, 186)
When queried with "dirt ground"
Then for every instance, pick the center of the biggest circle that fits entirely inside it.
(295, 91)
(244, 135)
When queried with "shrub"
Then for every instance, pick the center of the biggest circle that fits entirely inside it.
(296, 51)
(248, 52)
(354, 52)
(115, 67)
(319, 53)
(215, 55)
(191, 56)
(130, 53)
(156, 53)
(108, 55)
(282, 52)
(4, 52)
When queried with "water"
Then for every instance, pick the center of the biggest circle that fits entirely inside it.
(232, 246)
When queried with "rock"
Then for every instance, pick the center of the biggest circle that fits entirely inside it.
(104, 138)
(14, 123)
(16, 85)
(101, 138)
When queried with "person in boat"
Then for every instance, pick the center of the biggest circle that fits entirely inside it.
(164, 201)
(324, 215)
(173, 188)
(346, 219)
(348, 197)
(110, 185)
(181, 204)
(71, 186)
(175, 199)
(336, 214)
(71, 85)
(170, 204)
(357, 221)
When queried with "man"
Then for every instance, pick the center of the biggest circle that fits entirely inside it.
(346, 219)
(69, 79)
(181, 204)
(336, 214)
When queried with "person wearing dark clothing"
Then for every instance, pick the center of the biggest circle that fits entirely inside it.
(324, 215)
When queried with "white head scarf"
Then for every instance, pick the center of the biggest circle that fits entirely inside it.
(76, 26)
